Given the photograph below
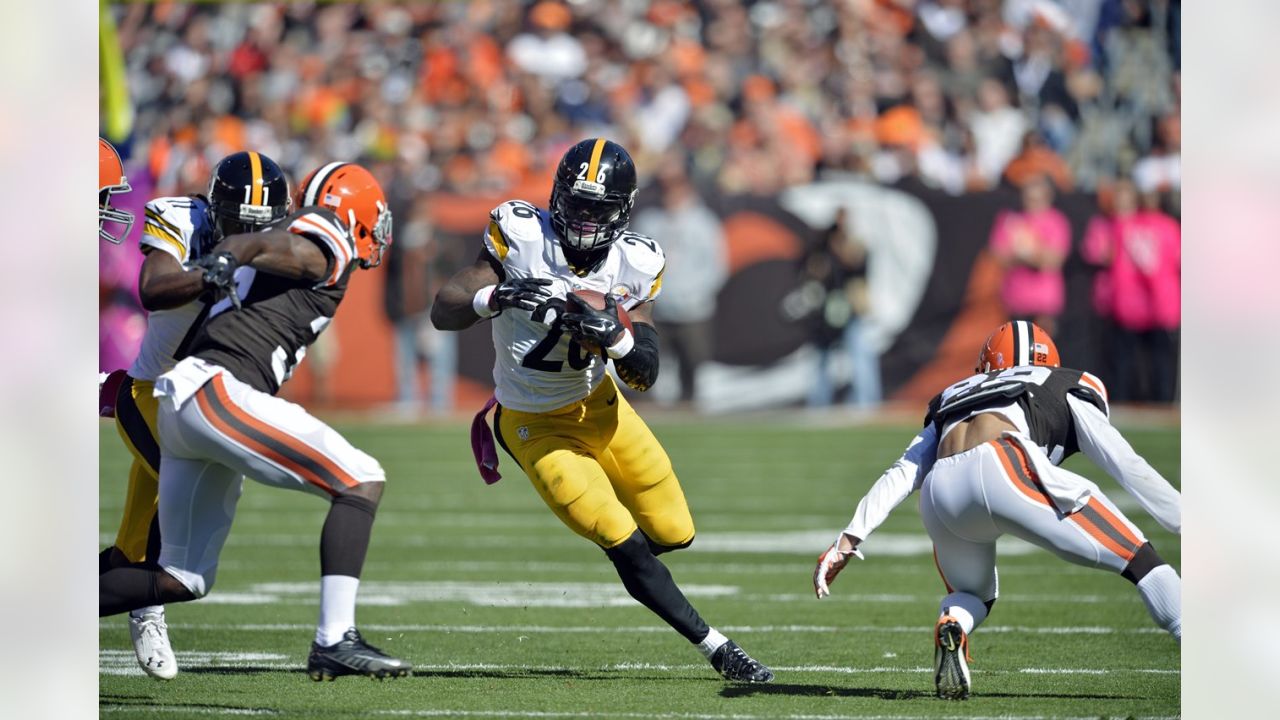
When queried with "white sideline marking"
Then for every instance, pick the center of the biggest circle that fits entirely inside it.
(644, 629)
(123, 662)
(519, 593)
(488, 594)
(813, 542)
(808, 543)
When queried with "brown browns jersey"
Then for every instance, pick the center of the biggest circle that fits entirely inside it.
(263, 341)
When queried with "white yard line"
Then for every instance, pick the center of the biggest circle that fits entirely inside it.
(657, 629)
(119, 662)
(576, 594)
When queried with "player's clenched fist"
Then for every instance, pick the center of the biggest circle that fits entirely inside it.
(830, 563)
(523, 293)
(600, 328)
(219, 273)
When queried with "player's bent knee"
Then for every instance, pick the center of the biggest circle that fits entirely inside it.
(1144, 561)
(369, 493)
(674, 533)
(658, 548)
(175, 585)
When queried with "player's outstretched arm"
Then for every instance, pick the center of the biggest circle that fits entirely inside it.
(895, 485)
(1104, 445)
(164, 283)
(279, 252)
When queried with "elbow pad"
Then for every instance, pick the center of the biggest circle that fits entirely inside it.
(639, 368)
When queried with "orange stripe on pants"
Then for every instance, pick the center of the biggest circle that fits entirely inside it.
(1023, 478)
(281, 436)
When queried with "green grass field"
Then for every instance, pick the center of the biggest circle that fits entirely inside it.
(507, 614)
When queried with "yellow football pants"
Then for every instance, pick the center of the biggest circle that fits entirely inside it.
(599, 468)
(136, 423)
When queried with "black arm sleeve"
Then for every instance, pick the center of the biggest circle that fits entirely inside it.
(639, 369)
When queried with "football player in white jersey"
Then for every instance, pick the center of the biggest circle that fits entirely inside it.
(246, 190)
(560, 416)
(986, 464)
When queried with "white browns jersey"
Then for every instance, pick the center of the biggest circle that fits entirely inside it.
(538, 367)
(181, 227)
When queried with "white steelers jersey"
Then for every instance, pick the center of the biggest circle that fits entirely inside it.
(538, 366)
(181, 227)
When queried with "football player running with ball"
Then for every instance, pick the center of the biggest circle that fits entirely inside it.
(177, 230)
(559, 415)
(986, 464)
(219, 418)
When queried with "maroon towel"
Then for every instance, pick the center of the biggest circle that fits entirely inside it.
(482, 446)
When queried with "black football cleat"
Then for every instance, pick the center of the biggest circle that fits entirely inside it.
(353, 656)
(734, 664)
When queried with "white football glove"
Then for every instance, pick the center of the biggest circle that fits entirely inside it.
(830, 563)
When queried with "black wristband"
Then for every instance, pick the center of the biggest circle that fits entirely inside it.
(639, 368)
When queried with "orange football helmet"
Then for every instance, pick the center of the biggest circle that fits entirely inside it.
(111, 181)
(355, 195)
(1017, 343)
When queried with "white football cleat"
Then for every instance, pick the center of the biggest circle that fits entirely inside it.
(151, 644)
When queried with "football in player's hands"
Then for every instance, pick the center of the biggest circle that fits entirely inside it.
(579, 300)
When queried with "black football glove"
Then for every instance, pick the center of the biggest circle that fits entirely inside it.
(219, 274)
(601, 328)
(522, 293)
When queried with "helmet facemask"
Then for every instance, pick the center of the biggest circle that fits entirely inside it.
(587, 224)
(109, 214)
(375, 239)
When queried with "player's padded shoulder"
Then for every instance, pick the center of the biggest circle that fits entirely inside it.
(644, 261)
(932, 410)
(171, 223)
(323, 227)
(1090, 387)
(513, 226)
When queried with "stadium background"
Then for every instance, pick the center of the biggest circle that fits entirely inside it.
(919, 118)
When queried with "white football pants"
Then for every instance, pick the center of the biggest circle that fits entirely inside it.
(215, 429)
(970, 499)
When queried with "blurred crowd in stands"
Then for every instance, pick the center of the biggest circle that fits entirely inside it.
(711, 96)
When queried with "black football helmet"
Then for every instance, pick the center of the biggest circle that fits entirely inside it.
(247, 191)
(592, 195)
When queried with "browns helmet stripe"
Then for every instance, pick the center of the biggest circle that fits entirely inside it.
(596, 151)
(1023, 338)
(311, 195)
(255, 192)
